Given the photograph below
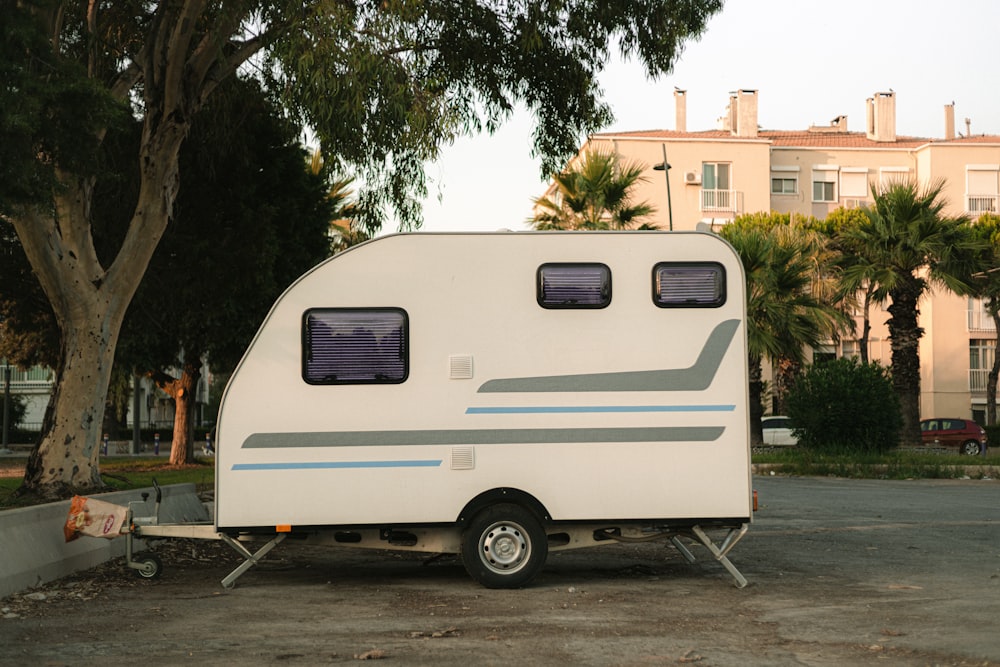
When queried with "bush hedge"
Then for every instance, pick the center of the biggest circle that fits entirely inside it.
(843, 405)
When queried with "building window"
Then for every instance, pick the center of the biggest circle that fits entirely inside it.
(824, 353)
(824, 191)
(355, 346)
(982, 352)
(982, 188)
(573, 286)
(854, 182)
(893, 175)
(850, 349)
(716, 187)
(979, 317)
(689, 285)
(784, 186)
(715, 175)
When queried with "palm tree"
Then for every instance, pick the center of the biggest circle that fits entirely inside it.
(858, 273)
(595, 194)
(790, 295)
(905, 245)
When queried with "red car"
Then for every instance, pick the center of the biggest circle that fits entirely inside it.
(963, 434)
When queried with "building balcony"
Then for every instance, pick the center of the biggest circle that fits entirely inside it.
(979, 321)
(722, 201)
(977, 381)
(37, 379)
(979, 204)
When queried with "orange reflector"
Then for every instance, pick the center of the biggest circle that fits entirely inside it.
(755, 500)
(283, 528)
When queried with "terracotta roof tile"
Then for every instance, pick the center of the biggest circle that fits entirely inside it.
(802, 138)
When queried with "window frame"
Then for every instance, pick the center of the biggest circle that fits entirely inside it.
(784, 180)
(606, 287)
(719, 301)
(307, 349)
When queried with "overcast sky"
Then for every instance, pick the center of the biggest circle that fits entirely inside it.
(810, 61)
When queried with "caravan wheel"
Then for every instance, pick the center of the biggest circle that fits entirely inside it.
(504, 546)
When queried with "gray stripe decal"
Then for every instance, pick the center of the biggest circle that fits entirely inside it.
(336, 465)
(481, 437)
(586, 409)
(696, 378)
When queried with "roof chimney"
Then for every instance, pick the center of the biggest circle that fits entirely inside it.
(680, 109)
(882, 116)
(949, 121)
(746, 113)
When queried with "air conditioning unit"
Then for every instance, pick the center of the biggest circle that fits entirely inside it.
(692, 177)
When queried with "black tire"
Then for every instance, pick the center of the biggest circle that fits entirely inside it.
(504, 546)
(152, 566)
(969, 448)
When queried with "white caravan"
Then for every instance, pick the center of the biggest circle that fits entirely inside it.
(499, 396)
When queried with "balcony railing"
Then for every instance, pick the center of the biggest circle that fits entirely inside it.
(980, 321)
(35, 378)
(977, 380)
(978, 204)
(729, 201)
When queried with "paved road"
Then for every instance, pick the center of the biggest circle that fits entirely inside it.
(842, 572)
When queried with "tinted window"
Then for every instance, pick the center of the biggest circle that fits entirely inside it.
(355, 346)
(689, 285)
(574, 286)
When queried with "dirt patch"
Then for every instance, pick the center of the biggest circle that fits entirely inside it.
(841, 572)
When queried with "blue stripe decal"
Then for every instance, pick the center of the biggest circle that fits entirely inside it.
(329, 465)
(581, 409)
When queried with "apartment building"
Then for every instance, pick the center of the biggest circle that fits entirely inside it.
(736, 168)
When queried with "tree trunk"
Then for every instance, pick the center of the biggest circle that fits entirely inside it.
(904, 335)
(756, 406)
(866, 328)
(66, 460)
(89, 303)
(182, 390)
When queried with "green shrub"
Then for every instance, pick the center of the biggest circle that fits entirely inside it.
(844, 405)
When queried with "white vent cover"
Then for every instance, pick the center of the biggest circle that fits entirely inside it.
(460, 367)
(463, 458)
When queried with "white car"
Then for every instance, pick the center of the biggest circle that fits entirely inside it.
(778, 431)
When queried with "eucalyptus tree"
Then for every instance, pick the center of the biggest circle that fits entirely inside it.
(906, 244)
(595, 193)
(790, 294)
(382, 84)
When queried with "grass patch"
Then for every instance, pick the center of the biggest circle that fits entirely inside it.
(896, 464)
(119, 474)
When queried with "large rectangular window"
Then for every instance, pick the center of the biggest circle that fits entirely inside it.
(573, 286)
(355, 346)
(689, 285)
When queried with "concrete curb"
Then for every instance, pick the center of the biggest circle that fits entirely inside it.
(33, 550)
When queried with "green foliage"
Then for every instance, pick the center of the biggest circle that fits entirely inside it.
(17, 407)
(594, 194)
(250, 217)
(844, 405)
(894, 464)
(790, 301)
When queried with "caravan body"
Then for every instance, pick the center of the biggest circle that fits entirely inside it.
(413, 382)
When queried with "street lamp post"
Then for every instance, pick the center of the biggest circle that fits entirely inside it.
(665, 168)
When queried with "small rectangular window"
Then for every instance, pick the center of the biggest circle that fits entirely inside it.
(574, 286)
(783, 186)
(689, 285)
(823, 191)
(355, 346)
